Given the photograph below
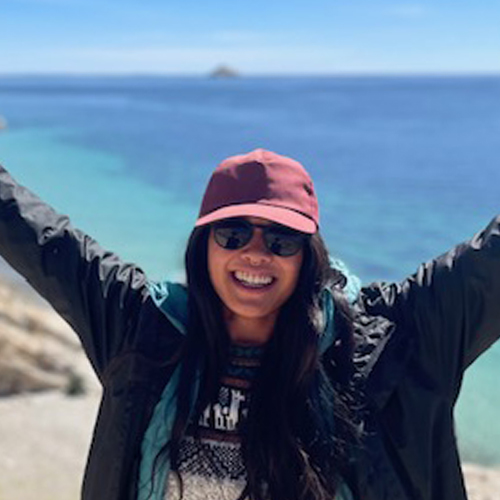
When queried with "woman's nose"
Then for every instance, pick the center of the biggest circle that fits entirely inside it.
(255, 251)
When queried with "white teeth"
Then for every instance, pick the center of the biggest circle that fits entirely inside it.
(252, 279)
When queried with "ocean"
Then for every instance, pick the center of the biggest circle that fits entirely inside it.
(404, 167)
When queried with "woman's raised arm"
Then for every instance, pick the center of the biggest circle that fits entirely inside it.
(99, 295)
(450, 306)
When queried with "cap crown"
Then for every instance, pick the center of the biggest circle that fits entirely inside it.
(265, 181)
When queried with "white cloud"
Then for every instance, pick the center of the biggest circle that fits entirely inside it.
(409, 11)
(65, 3)
(201, 59)
(236, 36)
(197, 60)
(254, 59)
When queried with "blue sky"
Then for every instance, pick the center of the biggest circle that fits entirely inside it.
(256, 37)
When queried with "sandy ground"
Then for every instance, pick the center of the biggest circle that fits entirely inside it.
(482, 483)
(44, 441)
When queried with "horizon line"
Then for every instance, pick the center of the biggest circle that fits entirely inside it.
(244, 75)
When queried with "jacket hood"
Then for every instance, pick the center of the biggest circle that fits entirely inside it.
(171, 299)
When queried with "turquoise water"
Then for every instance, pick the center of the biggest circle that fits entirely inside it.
(90, 184)
(405, 168)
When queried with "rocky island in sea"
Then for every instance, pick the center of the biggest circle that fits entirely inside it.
(224, 71)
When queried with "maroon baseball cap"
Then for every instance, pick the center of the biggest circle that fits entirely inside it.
(261, 184)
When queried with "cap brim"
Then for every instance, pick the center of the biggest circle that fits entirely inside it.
(284, 216)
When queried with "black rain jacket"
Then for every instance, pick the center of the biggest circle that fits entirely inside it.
(414, 341)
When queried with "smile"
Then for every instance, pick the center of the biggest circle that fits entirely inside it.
(253, 280)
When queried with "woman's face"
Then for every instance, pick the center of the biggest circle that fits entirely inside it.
(252, 282)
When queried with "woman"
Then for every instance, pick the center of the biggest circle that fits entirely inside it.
(270, 376)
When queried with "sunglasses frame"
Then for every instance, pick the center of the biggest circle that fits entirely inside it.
(270, 232)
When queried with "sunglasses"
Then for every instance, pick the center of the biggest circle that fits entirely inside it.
(233, 234)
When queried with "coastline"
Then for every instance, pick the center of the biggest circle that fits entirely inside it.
(46, 434)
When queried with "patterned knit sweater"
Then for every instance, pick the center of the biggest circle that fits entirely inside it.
(211, 464)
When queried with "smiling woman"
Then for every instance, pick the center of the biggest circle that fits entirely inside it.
(267, 270)
(269, 375)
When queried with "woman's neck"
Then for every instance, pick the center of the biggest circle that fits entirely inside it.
(249, 331)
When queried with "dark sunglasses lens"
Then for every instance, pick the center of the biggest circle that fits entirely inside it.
(232, 235)
(283, 243)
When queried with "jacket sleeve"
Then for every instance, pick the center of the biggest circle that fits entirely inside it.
(452, 305)
(92, 289)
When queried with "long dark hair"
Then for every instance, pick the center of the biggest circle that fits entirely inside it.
(302, 422)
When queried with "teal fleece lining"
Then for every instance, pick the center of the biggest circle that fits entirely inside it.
(171, 299)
